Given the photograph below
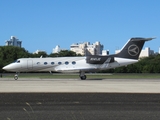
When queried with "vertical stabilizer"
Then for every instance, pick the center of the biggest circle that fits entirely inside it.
(132, 48)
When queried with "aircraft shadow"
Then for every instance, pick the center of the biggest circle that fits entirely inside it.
(94, 78)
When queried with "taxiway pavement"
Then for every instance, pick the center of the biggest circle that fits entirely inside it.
(80, 86)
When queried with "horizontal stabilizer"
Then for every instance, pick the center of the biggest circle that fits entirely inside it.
(142, 39)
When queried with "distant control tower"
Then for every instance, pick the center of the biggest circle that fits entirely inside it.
(14, 42)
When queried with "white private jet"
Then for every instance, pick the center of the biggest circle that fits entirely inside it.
(129, 54)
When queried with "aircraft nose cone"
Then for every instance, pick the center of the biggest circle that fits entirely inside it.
(11, 67)
(5, 68)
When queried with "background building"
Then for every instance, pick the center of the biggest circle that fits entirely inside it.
(14, 42)
(87, 49)
(146, 52)
(39, 51)
(105, 52)
(57, 49)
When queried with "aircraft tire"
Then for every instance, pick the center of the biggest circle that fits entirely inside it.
(83, 77)
(15, 77)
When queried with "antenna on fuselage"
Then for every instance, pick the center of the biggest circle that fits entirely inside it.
(41, 56)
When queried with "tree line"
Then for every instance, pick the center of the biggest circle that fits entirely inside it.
(9, 54)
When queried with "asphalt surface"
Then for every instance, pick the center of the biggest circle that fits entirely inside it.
(79, 106)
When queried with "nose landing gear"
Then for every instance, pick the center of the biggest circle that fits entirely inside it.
(16, 76)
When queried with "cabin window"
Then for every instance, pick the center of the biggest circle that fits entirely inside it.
(66, 62)
(45, 63)
(38, 63)
(59, 63)
(18, 61)
(73, 62)
(52, 63)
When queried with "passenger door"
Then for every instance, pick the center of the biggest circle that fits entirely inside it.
(30, 64)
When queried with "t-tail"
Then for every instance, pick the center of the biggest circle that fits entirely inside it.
(132, 48)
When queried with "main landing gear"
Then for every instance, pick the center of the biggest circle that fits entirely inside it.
(82, 75)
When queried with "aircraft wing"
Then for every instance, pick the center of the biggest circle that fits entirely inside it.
(59, 69)
(106, 63)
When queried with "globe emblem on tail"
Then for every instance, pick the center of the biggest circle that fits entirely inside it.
(133, 50)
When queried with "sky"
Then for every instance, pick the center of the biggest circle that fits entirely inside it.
(43, 24)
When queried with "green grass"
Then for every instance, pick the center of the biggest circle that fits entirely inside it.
(89, 76)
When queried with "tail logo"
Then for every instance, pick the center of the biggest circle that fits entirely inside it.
(133, 50)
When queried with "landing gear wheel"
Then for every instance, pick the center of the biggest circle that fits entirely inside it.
(16, 77)
(83, 77)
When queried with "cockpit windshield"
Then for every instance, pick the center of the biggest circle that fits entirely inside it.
(17, 61)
